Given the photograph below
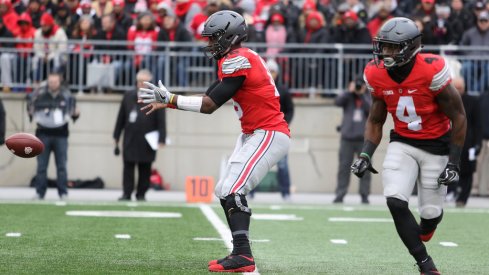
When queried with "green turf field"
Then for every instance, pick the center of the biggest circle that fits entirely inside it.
(53, 243)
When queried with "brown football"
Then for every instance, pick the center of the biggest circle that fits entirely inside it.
(24, 145)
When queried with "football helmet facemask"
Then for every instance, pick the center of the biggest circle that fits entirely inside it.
(403, 40)
(223, 29)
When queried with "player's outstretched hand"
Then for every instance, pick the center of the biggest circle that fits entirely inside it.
(153, 93)
(361, 165)
(151, 107)
(450, 174)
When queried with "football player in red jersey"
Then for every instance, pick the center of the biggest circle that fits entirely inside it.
(243, 77)
(428, 135)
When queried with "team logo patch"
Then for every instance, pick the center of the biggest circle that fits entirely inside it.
(388, 92)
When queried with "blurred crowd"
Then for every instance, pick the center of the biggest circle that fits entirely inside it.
(275, 22)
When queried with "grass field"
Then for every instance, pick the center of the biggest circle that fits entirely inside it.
(51, 242)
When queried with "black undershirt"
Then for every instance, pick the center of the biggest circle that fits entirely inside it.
(222, 91)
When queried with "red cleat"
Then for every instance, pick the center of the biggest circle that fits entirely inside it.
(234, 263)
(218, 261)
(426, 237)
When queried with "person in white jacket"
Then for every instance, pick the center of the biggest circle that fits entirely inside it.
(50, 48)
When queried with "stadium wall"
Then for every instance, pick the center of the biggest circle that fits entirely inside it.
(198, 144)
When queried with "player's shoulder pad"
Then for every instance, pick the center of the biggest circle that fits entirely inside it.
(235, 61)
(440, 71)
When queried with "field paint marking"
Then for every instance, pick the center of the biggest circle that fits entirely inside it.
(347, 219)
(277, 217)
(13, 234)
(60, 203)
(124, 214)
(122, 236)
(221, 228)
(219, 239)
(132, 204)
(338, 241)
(448, 244)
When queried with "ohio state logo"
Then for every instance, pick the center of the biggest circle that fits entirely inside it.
(27, 150)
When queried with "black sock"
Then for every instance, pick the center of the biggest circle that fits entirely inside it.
(428, 225)
(407, 228)
(223, 204)
(240, 222)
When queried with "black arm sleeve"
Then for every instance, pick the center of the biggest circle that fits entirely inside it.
(2, 123)
(213, 85)
(226, 89)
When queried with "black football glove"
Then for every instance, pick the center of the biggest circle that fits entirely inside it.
(117, 151)
(450, 174)
(361, 165)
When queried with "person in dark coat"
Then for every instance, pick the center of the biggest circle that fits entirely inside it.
(136, 150)
(472, 145)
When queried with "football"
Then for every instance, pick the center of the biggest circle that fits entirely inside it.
(24, 145)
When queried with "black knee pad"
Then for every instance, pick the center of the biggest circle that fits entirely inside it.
(237, 203)
(396, 205)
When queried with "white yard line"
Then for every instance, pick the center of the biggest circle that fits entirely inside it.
(348, 219)
(221, 228)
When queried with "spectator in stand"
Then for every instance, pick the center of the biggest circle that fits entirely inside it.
(461, 15)
(277, 35)
(352, 31)
(359, 9)
(475, 71)
(185, 11)
(472, 145)
(111, 32)
(84, 30)
(63, 17)
(382, 15)
(8, 15)
(48, 6)
(315, 32)
(141, 38)
(5, 58)
(35, 12)
(428, 36)
(477, 8)
(153, 8)
(123, 19)
(102, 7)
(25, 31)
(290, 12)
(173, 30)
(426, 12)
(197, 24)
(85, 8)
(446, 31)
(18, 6)
(50, 48)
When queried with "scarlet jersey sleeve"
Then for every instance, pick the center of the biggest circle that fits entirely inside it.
(441, 73)
(235, 65)
(367, 77)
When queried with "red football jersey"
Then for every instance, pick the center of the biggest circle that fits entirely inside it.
(257, 102)
(412, 103)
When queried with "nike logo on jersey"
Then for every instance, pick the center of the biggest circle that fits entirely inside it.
(412, 91)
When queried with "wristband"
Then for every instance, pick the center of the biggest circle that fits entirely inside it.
(369, 148)
(171, 98)
(365, 155)
(189, 103)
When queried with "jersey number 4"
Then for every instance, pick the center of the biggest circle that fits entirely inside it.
(406, 112)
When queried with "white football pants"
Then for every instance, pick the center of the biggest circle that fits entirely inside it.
(404, 165)
(252, 158)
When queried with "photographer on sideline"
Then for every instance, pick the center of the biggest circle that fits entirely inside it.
(356, 104)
